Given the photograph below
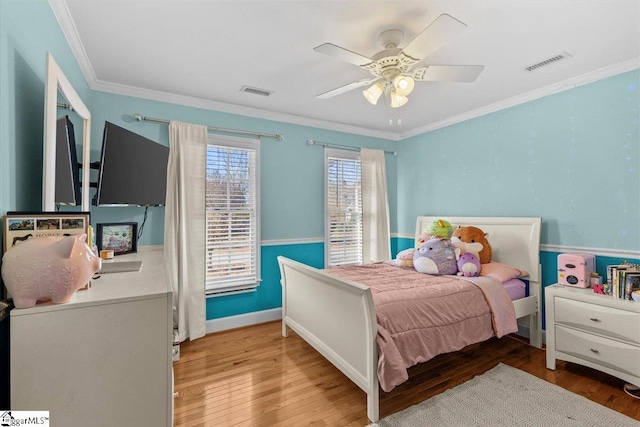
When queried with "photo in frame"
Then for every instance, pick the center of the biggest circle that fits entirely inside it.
(631, 283)
(120, 237)
(18, 227)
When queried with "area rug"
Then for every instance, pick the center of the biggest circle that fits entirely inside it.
(506, 396)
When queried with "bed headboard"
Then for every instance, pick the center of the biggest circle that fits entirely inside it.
(514, 240)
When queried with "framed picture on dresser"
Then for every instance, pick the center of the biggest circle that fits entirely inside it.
(632, 283)
(120, 237)
(18, 227)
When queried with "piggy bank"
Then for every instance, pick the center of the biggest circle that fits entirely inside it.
(48, 268)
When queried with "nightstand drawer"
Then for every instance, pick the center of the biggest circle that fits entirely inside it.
(603, 320)
(602, 351)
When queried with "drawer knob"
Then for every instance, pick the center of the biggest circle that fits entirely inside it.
(594, 351)
(594, 319)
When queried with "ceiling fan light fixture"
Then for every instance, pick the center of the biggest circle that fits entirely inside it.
(372, 94)
(397, 100)
(403, 84)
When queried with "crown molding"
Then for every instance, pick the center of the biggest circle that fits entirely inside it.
(62, 14)
(222, 107)
(590, 77)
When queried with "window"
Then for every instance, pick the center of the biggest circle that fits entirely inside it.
(232, 206)
(343, 209)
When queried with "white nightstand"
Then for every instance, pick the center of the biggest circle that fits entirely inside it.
(593, 330)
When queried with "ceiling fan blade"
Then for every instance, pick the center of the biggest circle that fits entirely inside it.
(447, 73)
(342, 53)
(346, 88)
(440, 32)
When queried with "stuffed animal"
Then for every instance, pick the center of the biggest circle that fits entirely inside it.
(439, 229)
(423, 238)
(435, 256)
(461, 247)
(468, 265)
(405, 258)
(473, 240)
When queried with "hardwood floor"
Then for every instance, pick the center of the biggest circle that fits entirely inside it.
(254, 377)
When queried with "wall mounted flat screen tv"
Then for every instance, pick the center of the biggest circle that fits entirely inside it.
(67, 169)
(132, 171)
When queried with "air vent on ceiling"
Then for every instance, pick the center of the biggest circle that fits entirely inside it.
(256, 91)
(549, 61)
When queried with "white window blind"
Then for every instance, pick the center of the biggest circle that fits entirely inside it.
(232, 206)
(343, 211)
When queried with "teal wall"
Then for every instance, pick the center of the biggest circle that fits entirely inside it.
(571, 158)
(292, 190)
(28, 30)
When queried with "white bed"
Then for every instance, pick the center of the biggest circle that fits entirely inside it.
(337, 316)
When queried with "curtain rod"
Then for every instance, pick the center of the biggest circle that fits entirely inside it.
(346, 147)
(276, 136)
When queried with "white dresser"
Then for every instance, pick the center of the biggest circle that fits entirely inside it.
(102, 359)
(593, 330)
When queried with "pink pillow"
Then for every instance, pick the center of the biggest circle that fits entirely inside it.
(501, 272)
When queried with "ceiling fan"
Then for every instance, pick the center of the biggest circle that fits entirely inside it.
(394, 69)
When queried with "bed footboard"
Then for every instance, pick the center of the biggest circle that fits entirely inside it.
(337, 317)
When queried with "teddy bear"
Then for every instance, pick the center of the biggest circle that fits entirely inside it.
(473, 240)
(468, 265)
(435, 256)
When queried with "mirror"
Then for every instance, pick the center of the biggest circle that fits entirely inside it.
(57, 82)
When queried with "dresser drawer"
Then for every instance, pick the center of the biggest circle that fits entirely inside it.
(602, 351)
(607, 321)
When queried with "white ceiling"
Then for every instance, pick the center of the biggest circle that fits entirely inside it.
(201, 53)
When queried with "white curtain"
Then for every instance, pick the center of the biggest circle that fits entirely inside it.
(184, 227)
(375, 207)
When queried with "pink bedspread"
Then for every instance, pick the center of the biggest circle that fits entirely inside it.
(421, 316)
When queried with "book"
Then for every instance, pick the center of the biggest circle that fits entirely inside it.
(616, 278)
(619, 281)
(612, 279)
(609, 281)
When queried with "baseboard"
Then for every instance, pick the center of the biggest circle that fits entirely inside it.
(241, 320)
(523, 331)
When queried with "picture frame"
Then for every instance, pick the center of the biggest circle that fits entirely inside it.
(20, 226)
(632, 283)
(120, 237)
